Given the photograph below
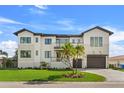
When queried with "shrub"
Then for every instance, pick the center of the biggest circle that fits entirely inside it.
(44, 65)
(112, 66)
(73, 75)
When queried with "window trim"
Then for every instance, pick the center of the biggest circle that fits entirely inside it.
(48, 41)
(26, 55)
(48, 55)
(25, 40)
(95, 41)
(36, 39)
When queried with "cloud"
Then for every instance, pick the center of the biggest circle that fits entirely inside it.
(1, 32)
(118, 34)
(4, 20)
(66, 24)
(38, 9)
(115, 48)
(9, 46)
(42, 7)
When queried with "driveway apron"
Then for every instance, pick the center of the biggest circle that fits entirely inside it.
(109, 74)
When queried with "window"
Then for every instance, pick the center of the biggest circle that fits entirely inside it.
(78, 41)
(36, 52)
(57, 41)
(96, 41)
(36, 39)
(47, 54)
(25, 39)
(48, 41)
(92, 41)
(25, 53)
(62, 41)
(73, 41)
(100, 42)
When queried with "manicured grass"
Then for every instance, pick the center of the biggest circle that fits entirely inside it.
(45, 75)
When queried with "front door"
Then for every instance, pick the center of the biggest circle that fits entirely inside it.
(77, 64)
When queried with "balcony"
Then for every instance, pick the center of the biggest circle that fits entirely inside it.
(55, 59)
(59, 45)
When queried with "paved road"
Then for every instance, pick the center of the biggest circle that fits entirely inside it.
(111, 75)
(62, 85)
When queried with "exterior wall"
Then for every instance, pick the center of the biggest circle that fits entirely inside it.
(26, 62)
(116, 63)
(41, 47)
(96, 50)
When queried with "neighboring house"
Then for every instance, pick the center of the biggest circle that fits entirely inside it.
(34, 48)
(117, 61)
(2, 56)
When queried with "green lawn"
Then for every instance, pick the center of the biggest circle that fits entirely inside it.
(45, 75)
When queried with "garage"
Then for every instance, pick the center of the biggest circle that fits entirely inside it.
(77, 64)
(96, 61)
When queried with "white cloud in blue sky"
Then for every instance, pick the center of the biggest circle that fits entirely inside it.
(4, 20)
(42, 7)
(1, 32)
(38, 10)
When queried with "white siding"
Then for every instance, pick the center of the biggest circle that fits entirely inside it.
(34, 61)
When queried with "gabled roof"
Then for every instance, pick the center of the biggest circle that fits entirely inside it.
(100, 28)
(43, 34)
(16, 33)
(64, 35)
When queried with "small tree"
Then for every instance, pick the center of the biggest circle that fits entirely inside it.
(79, 51)
(67, 53)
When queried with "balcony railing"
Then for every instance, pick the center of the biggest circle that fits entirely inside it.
(55, 59)
(59, 45)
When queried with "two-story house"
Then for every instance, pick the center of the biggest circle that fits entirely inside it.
(34, 48)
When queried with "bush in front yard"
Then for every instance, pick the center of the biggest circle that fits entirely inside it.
(113, 67)
(73, 75)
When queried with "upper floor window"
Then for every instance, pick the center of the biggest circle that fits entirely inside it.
(36, 39)
(47, 54)
(48, 41)
(25, 39)
(73, 41)
(57, 41)
(78, 40)
(25, 53)
(96, 41)
(61, 41)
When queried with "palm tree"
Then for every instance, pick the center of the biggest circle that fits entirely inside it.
(79, 51)
(67, 53)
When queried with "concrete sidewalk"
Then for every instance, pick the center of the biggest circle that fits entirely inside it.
(62, 85)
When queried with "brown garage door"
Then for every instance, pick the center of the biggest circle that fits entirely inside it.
(96, 61)
(77, 64)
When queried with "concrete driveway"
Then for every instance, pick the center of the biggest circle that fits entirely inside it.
(111, 75)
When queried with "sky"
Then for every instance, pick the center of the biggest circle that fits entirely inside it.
(61, 20)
